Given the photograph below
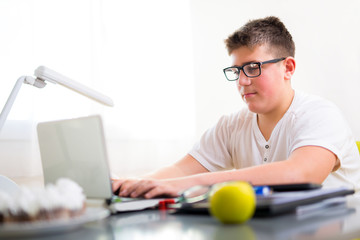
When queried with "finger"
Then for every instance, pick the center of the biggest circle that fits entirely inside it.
(127, 187)
(160, 191)
(116, 185)
(138, 188)
(142, 188)
(120, 184)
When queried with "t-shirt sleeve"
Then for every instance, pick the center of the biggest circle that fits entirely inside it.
(323, 125)
(212, 151)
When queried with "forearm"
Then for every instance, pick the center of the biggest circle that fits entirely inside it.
(274, 173)
(165, 173)
(185, 167)
(307, 164)
(258, 175)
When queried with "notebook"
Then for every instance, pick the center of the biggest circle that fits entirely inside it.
(76, 149)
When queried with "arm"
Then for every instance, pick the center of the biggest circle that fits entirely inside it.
(184, 167)
(306, 164)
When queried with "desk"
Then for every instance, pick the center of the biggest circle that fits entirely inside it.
(156, 224)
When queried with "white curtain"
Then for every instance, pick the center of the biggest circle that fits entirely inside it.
(137, 52)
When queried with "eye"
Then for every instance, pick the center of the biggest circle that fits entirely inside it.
(252, 69)
(252, 66)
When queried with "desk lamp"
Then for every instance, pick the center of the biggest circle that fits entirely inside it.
(43, 75)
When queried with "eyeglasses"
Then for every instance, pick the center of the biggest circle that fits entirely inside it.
(197, 197)
(251, 70)
(200, 193)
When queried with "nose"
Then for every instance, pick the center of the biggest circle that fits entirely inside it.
(243, 80)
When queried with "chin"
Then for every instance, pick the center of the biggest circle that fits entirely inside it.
(254, 109)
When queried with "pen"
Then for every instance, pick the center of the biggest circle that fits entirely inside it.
(262, 190)
(164, 204)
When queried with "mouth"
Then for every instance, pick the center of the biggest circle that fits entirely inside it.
(248, 95)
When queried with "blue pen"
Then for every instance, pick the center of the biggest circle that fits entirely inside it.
(262, 190)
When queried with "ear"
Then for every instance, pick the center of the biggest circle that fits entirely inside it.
(290, 65)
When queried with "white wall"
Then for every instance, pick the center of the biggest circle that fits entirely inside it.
(137, 52)
(327, 38)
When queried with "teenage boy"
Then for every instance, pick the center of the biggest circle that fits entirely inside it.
(283, 136)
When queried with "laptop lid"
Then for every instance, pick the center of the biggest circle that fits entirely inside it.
(75, 149)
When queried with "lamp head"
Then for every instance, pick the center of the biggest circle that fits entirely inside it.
(45, 74)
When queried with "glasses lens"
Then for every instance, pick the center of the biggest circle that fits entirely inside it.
(196, 193)
(231, 74)
(252, 69)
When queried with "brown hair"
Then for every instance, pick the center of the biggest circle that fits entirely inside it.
(269, 30)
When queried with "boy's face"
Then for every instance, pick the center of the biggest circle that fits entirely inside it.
(262, 94)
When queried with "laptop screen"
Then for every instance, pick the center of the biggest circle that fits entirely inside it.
(76, 149)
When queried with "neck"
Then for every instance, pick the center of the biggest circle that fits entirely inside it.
(268, 121)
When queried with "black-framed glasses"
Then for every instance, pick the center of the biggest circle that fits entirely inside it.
(251, 70)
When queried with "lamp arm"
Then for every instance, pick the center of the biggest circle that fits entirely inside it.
(11, 99)
(45, 74)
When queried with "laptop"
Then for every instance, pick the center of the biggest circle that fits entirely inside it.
(75, 149)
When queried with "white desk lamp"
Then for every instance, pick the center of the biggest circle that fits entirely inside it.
(44, 74)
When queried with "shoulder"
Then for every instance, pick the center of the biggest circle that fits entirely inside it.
(305, 104)
(309, 99)
(311, 114)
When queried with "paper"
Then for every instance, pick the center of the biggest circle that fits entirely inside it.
(135, 205)
(322, 205)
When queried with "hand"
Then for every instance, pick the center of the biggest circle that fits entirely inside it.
(149, 188)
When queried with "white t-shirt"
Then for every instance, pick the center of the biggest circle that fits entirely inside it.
(236, 141)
